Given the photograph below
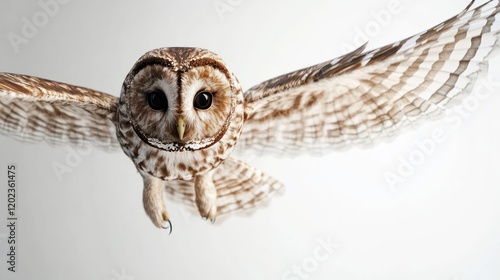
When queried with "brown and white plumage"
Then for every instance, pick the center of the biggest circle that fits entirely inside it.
(239, 187)
(34, 109)
(183, 146)
(364, 97)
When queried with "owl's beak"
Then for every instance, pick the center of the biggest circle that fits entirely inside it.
(181, 127)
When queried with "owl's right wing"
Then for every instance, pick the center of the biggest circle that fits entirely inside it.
(363, 97)
(34, 109)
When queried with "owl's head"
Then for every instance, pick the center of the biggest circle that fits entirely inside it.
(180, 99)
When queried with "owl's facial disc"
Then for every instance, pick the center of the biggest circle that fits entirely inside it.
(176, 110)
(206, 101)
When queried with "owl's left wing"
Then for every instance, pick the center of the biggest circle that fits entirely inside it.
(240, 187)
(34, 109)
(362, 97)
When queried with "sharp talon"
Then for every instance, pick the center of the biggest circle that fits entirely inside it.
(207, 218)
(169, 227)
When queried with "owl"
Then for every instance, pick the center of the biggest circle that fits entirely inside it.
(181, 112)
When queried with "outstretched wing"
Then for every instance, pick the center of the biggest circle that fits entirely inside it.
(34, 109)
(240, 187)
(362, 97)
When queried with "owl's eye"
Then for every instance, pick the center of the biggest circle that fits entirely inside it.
(203, 100)
(157, 101)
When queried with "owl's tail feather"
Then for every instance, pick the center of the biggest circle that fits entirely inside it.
(240, 188)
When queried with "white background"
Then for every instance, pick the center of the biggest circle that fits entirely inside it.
(442, 222)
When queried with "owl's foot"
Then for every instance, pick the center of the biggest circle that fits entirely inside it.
(206, 197)
(153, 202)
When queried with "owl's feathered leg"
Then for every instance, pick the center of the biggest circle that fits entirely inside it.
(206, 196)
(154, 205)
